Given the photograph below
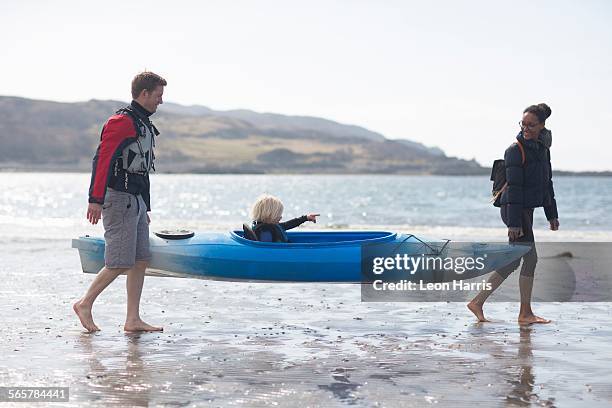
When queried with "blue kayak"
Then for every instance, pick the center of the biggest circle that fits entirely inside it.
(336, 256)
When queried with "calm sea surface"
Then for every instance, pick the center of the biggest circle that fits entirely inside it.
(343, 201)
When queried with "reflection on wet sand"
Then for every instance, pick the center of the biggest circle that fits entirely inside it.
(523, 391)
(124, 380)
(291, 345)
(392, 358)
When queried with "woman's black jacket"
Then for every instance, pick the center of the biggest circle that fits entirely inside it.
(530, 184)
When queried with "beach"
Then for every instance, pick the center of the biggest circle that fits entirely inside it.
(318, 183)
(256, 344)
(281, 344)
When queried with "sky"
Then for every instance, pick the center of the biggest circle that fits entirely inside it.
(451, 74)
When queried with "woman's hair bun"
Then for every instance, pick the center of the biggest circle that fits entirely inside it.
(541, 110)
(545, 109)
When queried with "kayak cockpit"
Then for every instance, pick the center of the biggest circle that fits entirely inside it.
(324, 238)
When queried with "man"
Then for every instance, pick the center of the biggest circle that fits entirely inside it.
(119, 194)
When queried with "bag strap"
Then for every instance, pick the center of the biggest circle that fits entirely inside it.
(522, 149)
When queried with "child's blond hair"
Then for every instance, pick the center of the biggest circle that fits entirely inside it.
(267, 209)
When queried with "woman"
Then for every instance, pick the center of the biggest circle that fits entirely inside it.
(529, 186)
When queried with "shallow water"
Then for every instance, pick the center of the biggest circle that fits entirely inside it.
(262, 344)
(257, 344)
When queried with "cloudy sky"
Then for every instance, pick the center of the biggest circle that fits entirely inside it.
(452, 74)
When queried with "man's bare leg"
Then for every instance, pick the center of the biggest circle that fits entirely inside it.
(476, 304)
(135, 281)
(83, 306)
(526, 315)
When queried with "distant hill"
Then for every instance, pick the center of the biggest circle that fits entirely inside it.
(47, 135)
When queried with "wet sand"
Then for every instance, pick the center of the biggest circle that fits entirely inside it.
(249, 344)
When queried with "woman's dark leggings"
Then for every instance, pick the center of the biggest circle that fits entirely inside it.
(530, 259)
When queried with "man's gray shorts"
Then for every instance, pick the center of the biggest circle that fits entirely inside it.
(126, 229)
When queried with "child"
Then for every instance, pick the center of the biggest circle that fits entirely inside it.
(267, 213)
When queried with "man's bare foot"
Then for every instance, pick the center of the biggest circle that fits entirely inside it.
(140, 326)
(83, 311)
(532, 319)
(477, 310)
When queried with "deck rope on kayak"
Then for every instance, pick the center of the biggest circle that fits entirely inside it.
(436, 253)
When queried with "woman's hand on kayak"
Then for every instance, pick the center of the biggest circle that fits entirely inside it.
(312, 217)
(514, 233)
(94, 212)
(554, 224)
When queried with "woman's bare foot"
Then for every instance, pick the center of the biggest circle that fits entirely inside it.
(140, 326)
(532, 319)
(83, 311)
(477, 310)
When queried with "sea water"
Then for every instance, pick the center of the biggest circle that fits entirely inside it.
(347, 201)
(295, 345)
